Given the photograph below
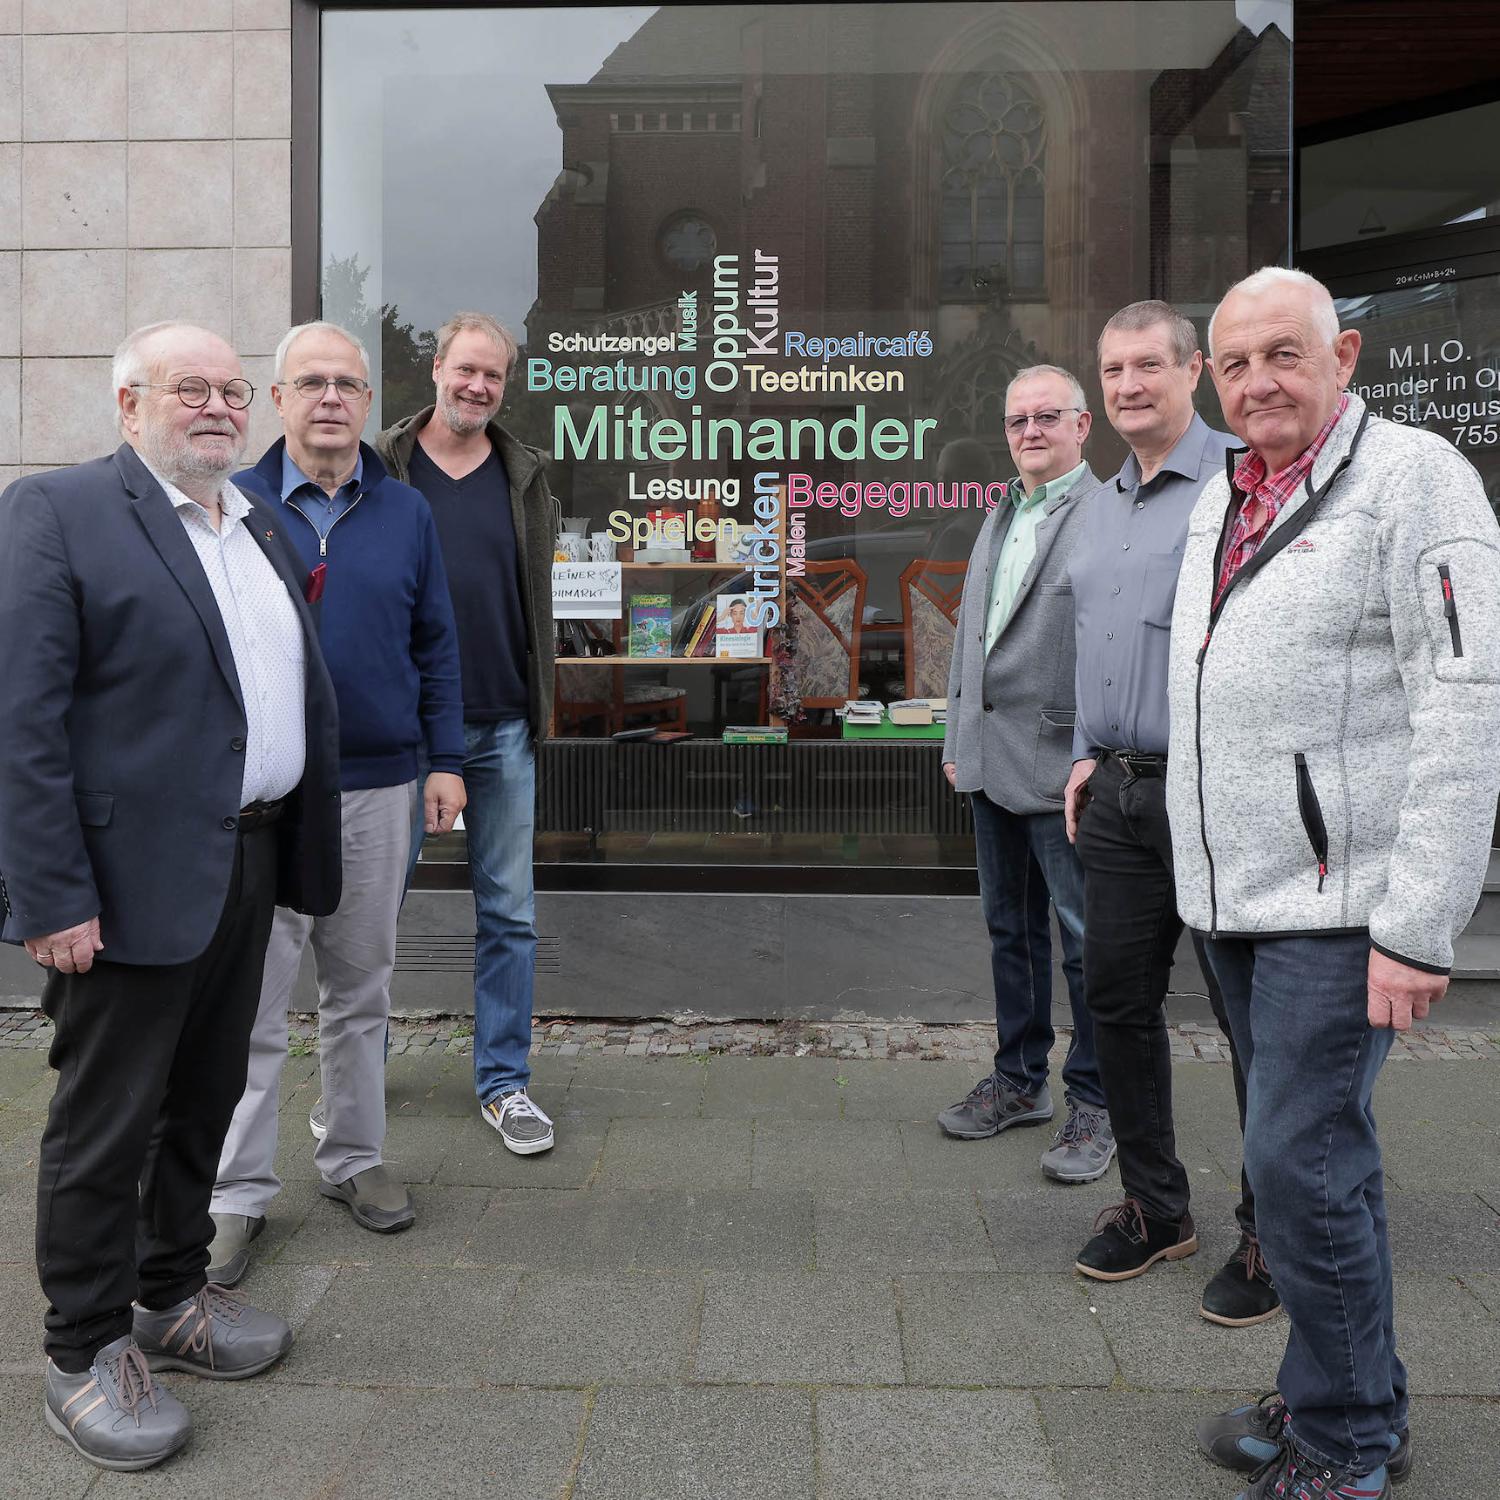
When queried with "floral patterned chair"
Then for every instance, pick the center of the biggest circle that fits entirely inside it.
(930, 595)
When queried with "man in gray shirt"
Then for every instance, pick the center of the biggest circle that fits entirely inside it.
(1124, 576)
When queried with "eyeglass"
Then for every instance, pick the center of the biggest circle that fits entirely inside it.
(1041, 418)
(313, 386)
(194, 391)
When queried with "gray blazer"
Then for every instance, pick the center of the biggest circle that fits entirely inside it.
(1010, 713)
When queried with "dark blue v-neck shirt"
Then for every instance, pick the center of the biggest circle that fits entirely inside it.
(478, 536)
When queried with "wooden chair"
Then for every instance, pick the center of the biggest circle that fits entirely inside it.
(930, 595)
(830, 604)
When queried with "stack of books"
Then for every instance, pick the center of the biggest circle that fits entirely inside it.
(869, 711)
(919, 711)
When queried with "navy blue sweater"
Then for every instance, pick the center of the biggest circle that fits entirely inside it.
(384, 621)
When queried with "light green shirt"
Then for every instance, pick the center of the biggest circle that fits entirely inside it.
(1019, 548)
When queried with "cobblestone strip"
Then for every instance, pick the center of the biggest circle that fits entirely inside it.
(970, 1043)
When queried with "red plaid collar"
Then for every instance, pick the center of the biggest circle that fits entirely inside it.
(1273, 491)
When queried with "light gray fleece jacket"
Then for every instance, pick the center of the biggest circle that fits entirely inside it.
(1335, 743)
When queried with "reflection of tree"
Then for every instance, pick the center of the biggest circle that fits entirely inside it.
(405, 351)
(406, 355)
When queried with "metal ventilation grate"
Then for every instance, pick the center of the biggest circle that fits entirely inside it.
(453, 953)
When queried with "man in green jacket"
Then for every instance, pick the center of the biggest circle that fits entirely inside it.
(495, 520)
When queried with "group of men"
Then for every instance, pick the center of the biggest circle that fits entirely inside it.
(232, 708)
(1250, 684)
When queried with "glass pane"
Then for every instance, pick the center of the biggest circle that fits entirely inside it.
(1419, 175)
(693, 207)
(1430, 358)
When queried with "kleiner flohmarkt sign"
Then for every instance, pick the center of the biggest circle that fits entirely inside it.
(586, 591)
(737, 338)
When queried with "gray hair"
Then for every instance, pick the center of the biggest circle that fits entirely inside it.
(478, 322)
(1325, 317)
(132, 362)
(1032, 371)
(1136, 317)
(290, 337)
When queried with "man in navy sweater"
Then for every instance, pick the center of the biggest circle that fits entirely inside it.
(376, 582)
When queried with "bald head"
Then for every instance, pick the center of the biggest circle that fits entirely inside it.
(1279, 361)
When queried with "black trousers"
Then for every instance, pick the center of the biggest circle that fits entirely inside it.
(1130, 932)
(150, 1064)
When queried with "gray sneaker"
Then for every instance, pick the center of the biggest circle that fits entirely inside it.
(215, 1334)
(522, 1125)
(1083, 1149)
(375, 1198)
(114, 1413)
(229, 1255)
(993, 1105)
(317, 1121)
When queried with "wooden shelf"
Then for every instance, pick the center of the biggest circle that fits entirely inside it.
(663, 661)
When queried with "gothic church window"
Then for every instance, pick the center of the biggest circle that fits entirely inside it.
(994, 142)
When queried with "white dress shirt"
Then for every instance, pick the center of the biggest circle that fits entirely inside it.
(265, 638)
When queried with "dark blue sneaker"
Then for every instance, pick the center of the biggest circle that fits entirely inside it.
(1290, 1476)
(1246, 1438)
(1249, 1437)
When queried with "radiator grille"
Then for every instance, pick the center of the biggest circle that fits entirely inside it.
(453, 953)
(815, 787)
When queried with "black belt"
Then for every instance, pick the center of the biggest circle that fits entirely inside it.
(259, 814)
(1137, 763)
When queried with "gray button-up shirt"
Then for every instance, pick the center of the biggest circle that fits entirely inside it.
(265, 639)
(1124, 573)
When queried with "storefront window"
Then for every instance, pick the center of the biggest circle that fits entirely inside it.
(771, 268)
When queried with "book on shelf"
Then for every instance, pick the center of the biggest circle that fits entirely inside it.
(917, 710)
(754, 734)
(650, 625)
(862, 711)
(733, 634)
(697, 633)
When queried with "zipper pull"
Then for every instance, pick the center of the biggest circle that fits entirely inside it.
(1322, 874)
(323, 545)
(1203, 649)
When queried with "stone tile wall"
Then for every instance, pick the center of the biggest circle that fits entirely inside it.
(145, 173)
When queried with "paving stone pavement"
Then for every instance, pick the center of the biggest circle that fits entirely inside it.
(762, 1276)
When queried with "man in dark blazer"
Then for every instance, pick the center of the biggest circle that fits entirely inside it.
(1009, 743)
(168, 775)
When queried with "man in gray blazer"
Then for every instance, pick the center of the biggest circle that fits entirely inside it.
(1009, 745)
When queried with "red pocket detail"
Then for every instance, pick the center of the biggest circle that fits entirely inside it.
(315, 581)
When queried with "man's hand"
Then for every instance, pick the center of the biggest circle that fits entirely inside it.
(950, 770)
(1400, 994)
(70, 951)
(443, 798)
(1076, 795)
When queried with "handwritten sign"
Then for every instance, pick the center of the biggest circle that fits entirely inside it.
(586, 591)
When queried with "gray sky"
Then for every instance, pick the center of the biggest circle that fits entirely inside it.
(439, 144)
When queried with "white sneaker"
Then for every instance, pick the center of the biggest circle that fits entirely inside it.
(522, 1126)
(317, 1120)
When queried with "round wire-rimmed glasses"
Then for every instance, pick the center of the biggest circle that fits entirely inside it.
(194, 391)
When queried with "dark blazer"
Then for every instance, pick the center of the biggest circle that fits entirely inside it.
(1010, 710)
(122, 731)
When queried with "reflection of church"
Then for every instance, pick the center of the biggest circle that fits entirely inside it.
(997, 173)
(1001, 176)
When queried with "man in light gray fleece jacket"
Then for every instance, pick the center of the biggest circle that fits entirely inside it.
(1335, 711)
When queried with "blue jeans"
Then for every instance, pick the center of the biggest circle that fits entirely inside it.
(500, 818)
(1297, 1007)
(1025, 861)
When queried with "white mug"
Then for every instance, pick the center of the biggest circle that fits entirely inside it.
(602, 547)
(573, 547)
